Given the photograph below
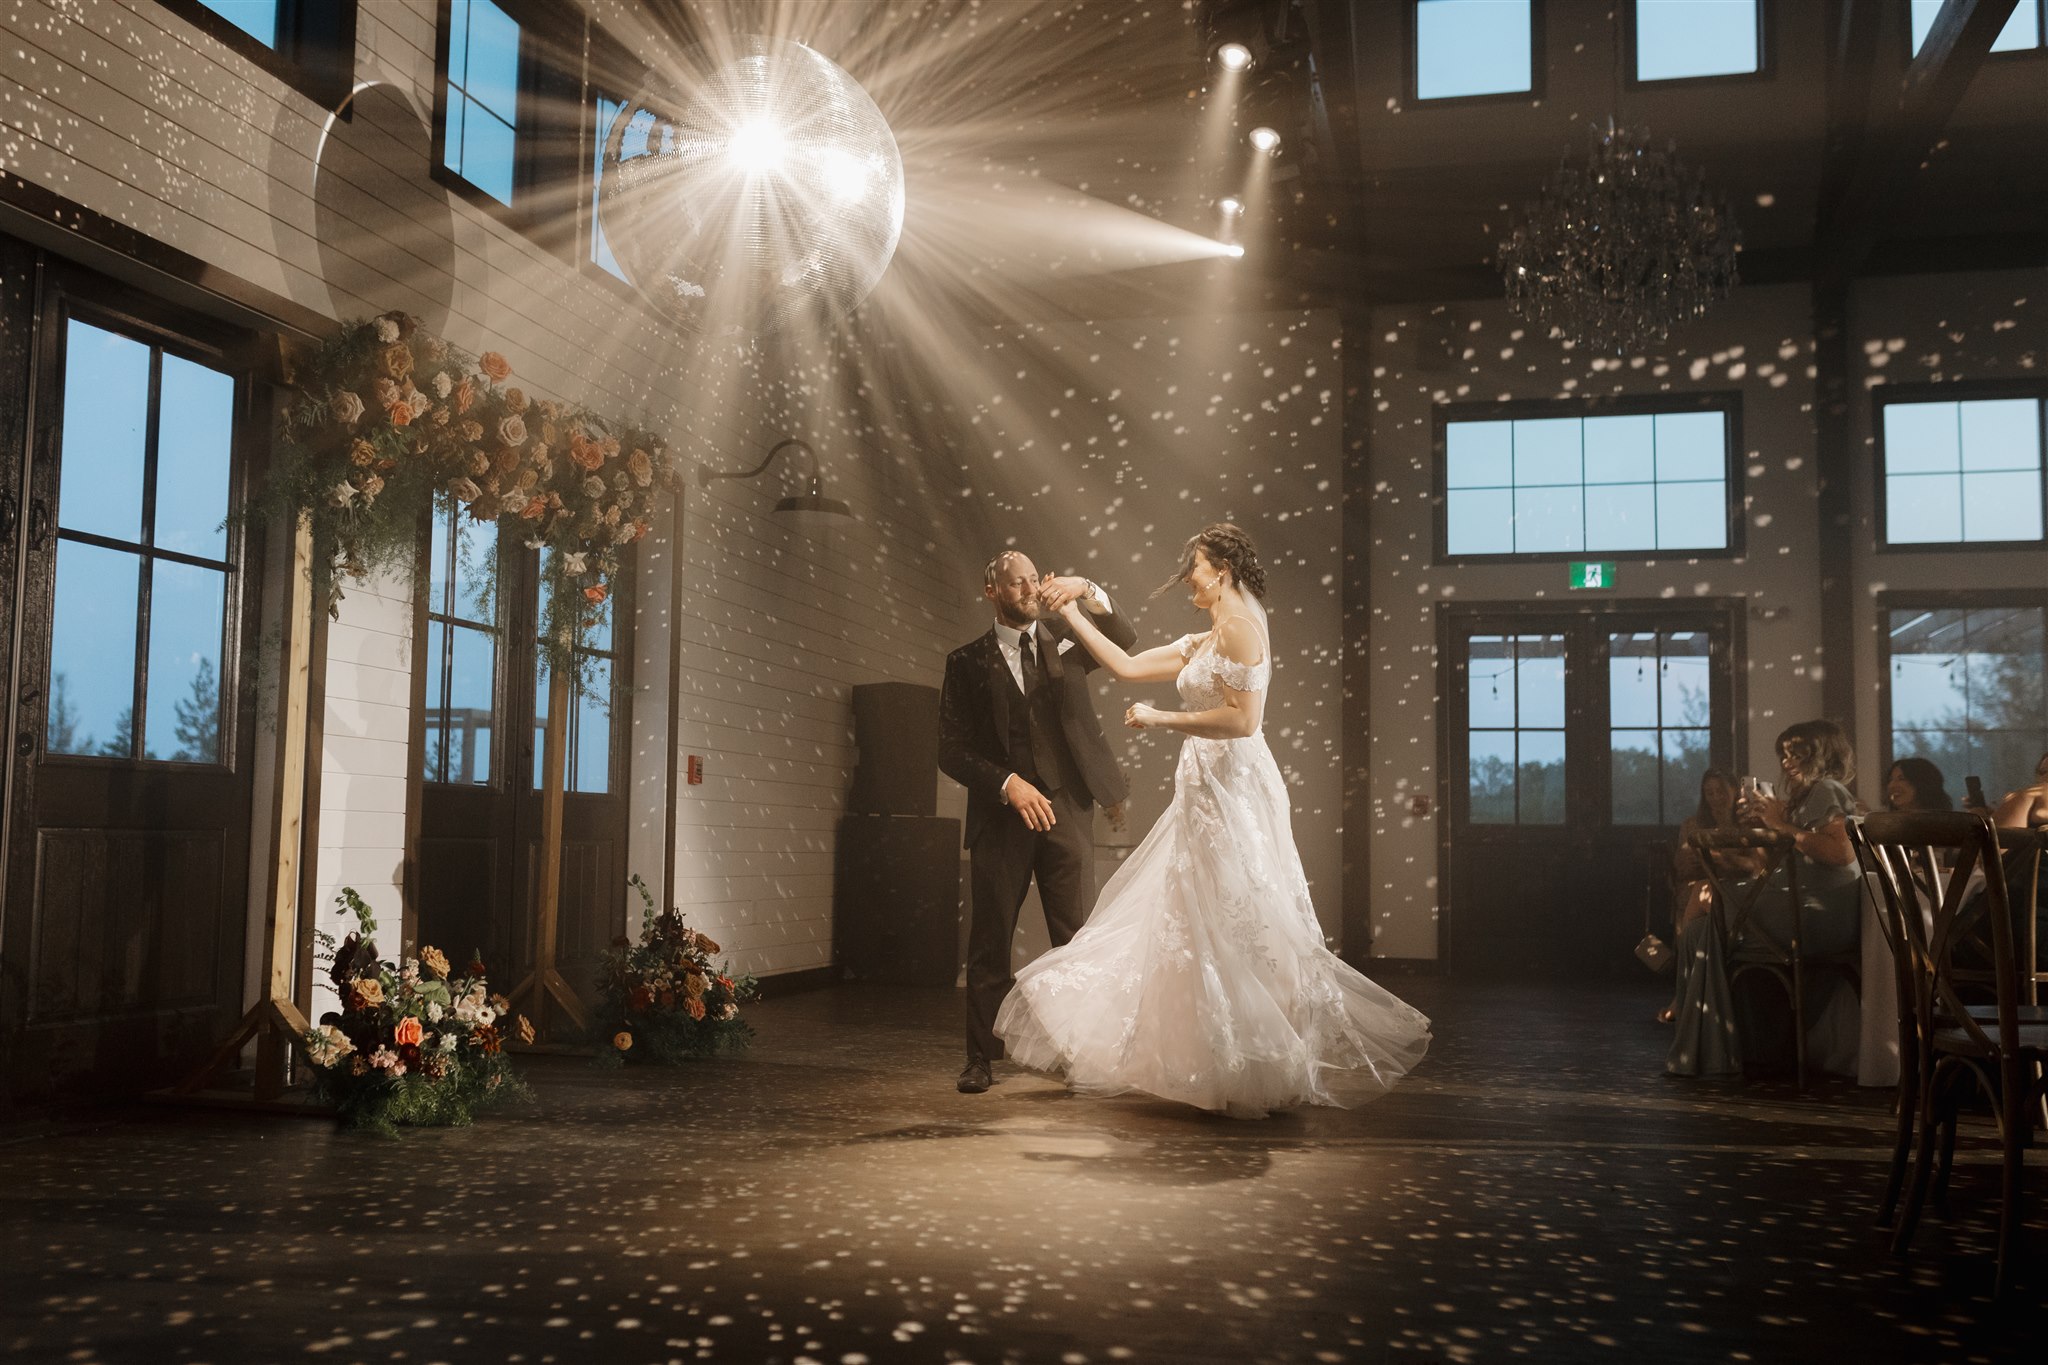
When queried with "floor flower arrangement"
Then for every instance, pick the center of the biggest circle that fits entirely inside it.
(415, 1042)
(663, 1000)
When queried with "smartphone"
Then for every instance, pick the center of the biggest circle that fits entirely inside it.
(1973, 789)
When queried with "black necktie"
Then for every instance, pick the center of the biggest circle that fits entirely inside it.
(1029, 658)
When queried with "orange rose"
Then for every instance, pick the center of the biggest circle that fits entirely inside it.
(696, 1008)
(595, 594)
(623, 1041)
(535, 509)
(494, 365)
(465, 394)
(400, 414)
(408, 1033)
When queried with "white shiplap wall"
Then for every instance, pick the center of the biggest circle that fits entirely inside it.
(122, 107)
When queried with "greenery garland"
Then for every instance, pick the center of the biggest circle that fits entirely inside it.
(390, 418)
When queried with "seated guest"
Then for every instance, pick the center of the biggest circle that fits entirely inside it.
(1915, 784)
(2026, 808)
(1818, 764)
(1691, 894)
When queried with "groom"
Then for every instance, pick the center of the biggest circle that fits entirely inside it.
(1017, 728)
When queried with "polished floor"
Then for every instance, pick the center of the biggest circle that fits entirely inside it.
(1537, 1191)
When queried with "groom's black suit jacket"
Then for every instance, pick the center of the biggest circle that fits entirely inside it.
(974, 716)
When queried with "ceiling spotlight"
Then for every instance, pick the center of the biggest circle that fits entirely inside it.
(1231, 206)
(1237, 249)
(1264, 138)
(1234, 56)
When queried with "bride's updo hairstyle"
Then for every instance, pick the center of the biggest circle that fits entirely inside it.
(1227, 547)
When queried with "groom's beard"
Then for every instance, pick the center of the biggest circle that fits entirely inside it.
(1017, 618)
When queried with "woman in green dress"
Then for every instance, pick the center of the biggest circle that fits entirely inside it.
(1818, 765)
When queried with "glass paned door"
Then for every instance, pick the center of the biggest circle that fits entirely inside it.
(1576, 745)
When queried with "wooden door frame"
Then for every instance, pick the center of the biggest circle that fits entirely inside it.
(1449, 615)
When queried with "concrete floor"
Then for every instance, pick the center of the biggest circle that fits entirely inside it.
(1537, 1191)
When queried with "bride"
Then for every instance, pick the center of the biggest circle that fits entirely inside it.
(1202, 975)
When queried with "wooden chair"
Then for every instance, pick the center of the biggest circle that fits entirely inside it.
(1747, 945)
(1957, 1048)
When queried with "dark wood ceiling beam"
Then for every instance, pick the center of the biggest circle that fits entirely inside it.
(1904, 129)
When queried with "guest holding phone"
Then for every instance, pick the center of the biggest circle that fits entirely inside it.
(1818, 764)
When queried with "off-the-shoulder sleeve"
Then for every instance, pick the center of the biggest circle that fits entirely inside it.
(1186, 645)
(1241, 677)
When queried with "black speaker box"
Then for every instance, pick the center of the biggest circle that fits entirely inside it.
(896, 900)
(896, 728)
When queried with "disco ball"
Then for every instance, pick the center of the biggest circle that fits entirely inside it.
(764, 187)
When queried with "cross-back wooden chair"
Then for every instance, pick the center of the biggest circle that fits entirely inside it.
(1943, 929)
(1747, 944)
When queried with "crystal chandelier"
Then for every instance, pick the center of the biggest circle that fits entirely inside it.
(1622, 249)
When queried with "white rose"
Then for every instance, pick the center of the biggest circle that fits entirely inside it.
(443, 385)
(434, 1011)
(387, 331)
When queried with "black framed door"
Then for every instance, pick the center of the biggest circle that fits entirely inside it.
(131, 744)
(483, 691)
(1572, 747)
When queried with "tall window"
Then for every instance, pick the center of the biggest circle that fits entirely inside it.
(1964, 686)
(480, 115)
(137, 639)
(257, 18)
(587, 764)
(2027, 28)
(1659, 723)
(1473, 47)
(462, 648)
(633, 144)
(1687, 39)
(1604, 480)
(1515, 729)
(1962, 470)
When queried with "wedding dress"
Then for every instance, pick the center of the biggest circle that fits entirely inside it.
(1202, 975)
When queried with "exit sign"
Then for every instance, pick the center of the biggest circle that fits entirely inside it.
(1592, 573)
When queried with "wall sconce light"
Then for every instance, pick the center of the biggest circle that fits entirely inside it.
(814, 501)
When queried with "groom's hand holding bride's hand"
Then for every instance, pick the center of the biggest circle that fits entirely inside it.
(1057, 594)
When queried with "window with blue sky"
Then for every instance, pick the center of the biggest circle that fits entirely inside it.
(1962, 471)
(1472, 47)
(1965, 690)
(141, 596)
(1687, 39)
(1514, 731)
(2023, 30)
(1642, 482)
(633, 144)
(257, 18)
(478, 134)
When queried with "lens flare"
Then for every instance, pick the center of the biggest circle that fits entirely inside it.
(1264, 138)
(1234, 56)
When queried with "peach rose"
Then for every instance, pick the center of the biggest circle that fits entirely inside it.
(640, 467)
(434, 960)
(595, 594)
(387, 392)
(362, 453)
(367, 991)
(465, 394)
(512, 429)
(515, 399)
(408, 1033)
(494, 365)
(465, 491)
(535, 509)
(395, 361)
(696, 1008)
(346, 407)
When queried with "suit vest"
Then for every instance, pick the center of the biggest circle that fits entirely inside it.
(1038, 741)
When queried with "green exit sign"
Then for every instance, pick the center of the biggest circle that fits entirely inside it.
(1592, 573)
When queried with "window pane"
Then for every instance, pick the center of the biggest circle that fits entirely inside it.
(1632, 680)
(92, 651)
(2002, 506)
(1692, 516)
(257, 18)
(458, 42)
(1620, 449)
(1539, 691)
(1633, 777)
(1919, 508)
(1621, 517)
(2021, 31)
(194, 451)
(476, 547)
(1480, 522)
(1490, 682)
(1548, 520)
(106, 415)
(1479, 454)
(437, 557)
(1921, 438)
(1471, 47)
(607, 112)
(1692, 445)
(1547, 451)
(181, 712)
(1685, 682)
(1680, 38)
(591, 768)
(2002, 433)
(491, 77)
(1687, 755)
(1967, 691)
(437, 735)
(487, 153)
(1491, 780)
(472, 694)
(1540, 773)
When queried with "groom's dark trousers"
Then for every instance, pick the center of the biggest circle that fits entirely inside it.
(990, 728)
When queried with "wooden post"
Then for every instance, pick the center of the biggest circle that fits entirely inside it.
(276, 1021)
(545, 980)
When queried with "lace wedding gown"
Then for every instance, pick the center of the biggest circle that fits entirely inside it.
(1202, 975)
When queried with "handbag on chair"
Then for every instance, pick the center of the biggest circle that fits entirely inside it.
(1651, 951)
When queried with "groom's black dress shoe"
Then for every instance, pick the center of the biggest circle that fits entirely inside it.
(975, 1077)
